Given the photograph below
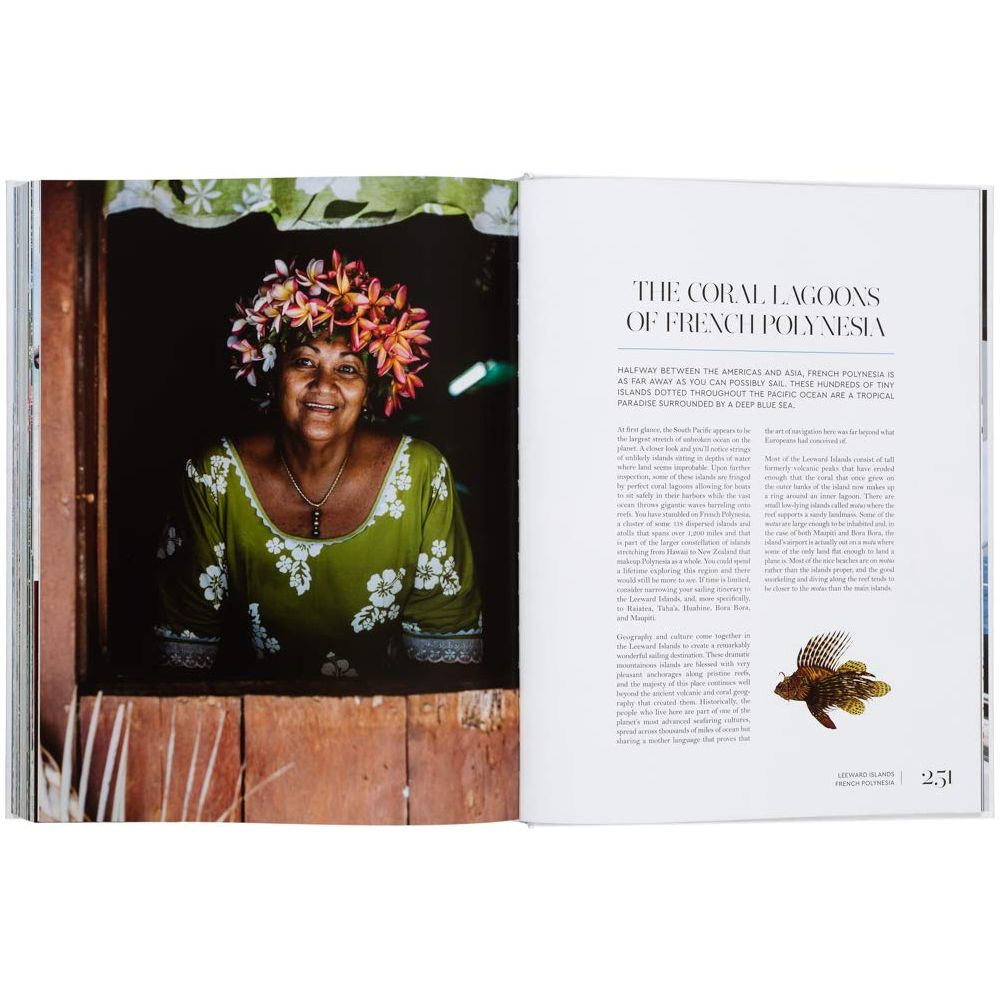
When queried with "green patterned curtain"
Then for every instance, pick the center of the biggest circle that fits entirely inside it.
(322, 202)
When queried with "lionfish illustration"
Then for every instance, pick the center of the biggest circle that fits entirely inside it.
(821, 684)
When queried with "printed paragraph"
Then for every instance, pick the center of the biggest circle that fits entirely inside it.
(641, 387)
(686, 688)
(830, 516)
(683, 520)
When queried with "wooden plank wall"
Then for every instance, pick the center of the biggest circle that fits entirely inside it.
(438, 758)
(346, 759)
(463, 756)
(72, 465)
(183, 760)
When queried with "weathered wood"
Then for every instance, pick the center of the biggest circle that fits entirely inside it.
(99, 289)
(463, 752)
(58, 608)
(312, 760)
(325, 760)
(153, 722)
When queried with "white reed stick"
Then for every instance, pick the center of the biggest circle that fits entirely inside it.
(88, 753)
(191, 767)
(109, 763)
(170, 762)
(121, 778)
(66, 775)
(207, 780)
(256, 788)
(236, 794)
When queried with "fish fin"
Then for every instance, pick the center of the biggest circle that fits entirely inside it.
(822, 717)
(823, 650)
(878, 689)
(853, 706)
(852, 667)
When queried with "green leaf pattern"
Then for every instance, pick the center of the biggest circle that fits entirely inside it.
(321, 202)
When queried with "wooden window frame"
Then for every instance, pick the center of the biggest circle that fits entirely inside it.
(73, 457)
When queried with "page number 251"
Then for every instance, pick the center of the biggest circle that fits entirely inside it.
(936, 779)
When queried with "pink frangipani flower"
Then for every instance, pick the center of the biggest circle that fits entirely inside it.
(293, 304)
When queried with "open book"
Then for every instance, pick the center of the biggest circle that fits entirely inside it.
(568, 500)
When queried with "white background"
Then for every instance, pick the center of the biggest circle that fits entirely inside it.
(848, 91)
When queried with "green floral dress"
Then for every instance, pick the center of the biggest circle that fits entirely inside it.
(321, 607)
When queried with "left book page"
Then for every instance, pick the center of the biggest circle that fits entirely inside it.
(278, 501)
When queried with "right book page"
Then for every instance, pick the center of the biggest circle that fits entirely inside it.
(753, 524)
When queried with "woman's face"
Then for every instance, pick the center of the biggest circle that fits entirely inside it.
(320, 389)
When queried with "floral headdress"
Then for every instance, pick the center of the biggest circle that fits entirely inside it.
(294, 305)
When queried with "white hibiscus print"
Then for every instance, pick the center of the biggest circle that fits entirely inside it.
(431, 572)
(367, 618)
(199, 195)
(439, 484)
(343, 188)
(312, 185)
(143, 194)
(262, 642)
(384, 587)
(346, 188)
(450, 583)
(295, 561)
(337, 667)
(499, 214)
(428, 572)
(217, 476)
(214, 582)
(382, 607)
(274, 546)
(170, 542)
(390, 502)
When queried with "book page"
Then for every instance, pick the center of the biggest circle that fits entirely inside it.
(751, 514)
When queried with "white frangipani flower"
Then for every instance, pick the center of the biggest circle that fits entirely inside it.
(199, 196)
(256, 195)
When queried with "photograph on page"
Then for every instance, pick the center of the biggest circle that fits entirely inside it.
(278, 505)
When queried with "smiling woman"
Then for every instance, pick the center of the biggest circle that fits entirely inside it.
(322, 390)
(334, 546)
